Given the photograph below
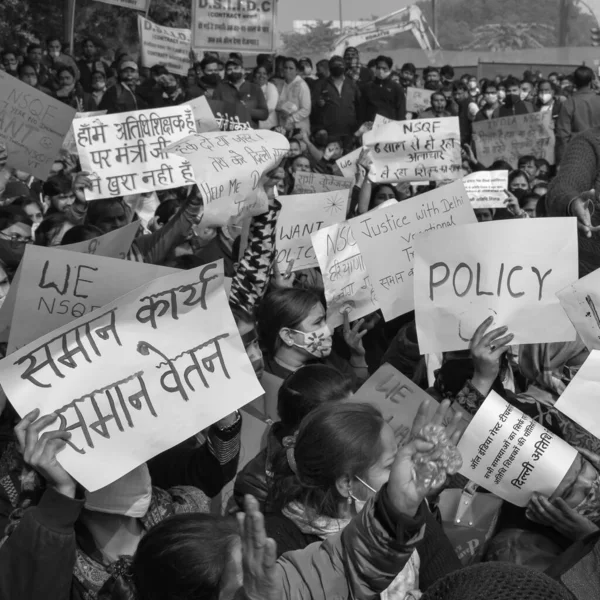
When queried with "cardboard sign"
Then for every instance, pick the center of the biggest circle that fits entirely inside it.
(510, 270)
(486, 189)
(126, 153)
(348, 287)
(129, 381)
(300, 217)
(316, 183)
(168, 46)
(347, 164)
(386, 239)
(581, 301)
(512, 456)
(242, 27)
(418, 99)
(133, 4)
(419, 150)
(580, 400)
(509, 138)
(57, 286)
(114, 244)
(205, 119)
(228, 167)
(33, 126)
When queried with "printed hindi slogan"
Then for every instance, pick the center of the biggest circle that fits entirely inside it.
(69, 142)
(168, 46)
(508, 270)
(229, 167)
(386, 238)
(511, 455)
(509, 138)
(33, 126)
(486, 189)
(129, 381)
(316, 183)
(126, 153)
(348, 287)
(419, 150)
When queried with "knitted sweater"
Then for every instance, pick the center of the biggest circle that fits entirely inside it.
(579, 172)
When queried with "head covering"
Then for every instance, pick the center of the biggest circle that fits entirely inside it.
(350, 51)
(234, 60)
(497, 581)
(127, 63)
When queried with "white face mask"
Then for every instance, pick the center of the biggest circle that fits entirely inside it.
(360, 504)
(318, 342)
(545, 98)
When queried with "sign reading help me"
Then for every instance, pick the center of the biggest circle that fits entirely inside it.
(512, 456)
(126, 152)
(510, 270)
(128, 381)
(386, 239)
(419, 150)
(300, 217)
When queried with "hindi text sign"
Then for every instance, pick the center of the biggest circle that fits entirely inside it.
(486, 189)
(316, 183)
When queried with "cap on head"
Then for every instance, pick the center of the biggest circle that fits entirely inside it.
(127, 63)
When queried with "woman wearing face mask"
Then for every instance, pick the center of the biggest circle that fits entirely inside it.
(70, 92)
(28, 75)
(294, 332)
(261, 78)
(341, 457)
(491, 102)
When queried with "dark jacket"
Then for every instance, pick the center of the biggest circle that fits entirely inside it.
(383, 97)
(578, 113)
(249, 94)
(522, 107)
(340, 113)
(86, 68)
(120, 98)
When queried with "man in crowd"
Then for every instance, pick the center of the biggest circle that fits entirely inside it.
(122, 97)
(352, 61)
(90, 63)
(382, 96)
(432, 78)
(35, 57)
(10, 62)
(513, 105)
(207, 77)
(408, 75)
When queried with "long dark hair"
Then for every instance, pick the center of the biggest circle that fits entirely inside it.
(334, 440)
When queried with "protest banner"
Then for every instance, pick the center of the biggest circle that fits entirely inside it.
(347, 164)
(348, 287)
(419, 150)
(511, 455)
(228, 166)
(133, 4)
(316, 183)
(230, 116)
(581, 301)
(386, 239)
(241, 27)
(580, 400)
(510, 270)
(205, 119)
(509, 138)
(168, 46)
(69, 142)
(128, 381)
(417, 99)
(486, 189)
(300, 217)
(57, 286)
(114, 244)
(126, 153)
(33, 126)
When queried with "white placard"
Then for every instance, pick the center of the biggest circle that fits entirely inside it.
(487, 189)
(316, 183)
(205, 118)
(418, 99)
(347, 164)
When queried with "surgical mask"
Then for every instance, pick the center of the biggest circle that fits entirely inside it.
(318, 342)
(129, 496)
(360, 504)
(99, 85)
(383, 75)
(545, 98)
(337, 70)
(55, 53)
(235, 77)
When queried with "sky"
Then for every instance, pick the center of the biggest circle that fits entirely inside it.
(328, 10)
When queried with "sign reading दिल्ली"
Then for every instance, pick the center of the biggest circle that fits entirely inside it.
(130, 380)
(125, 153)
(241, 26)
(386, 238)
(419, 150)
(508, 270)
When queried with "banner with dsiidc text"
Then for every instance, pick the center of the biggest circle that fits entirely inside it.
(234, 25)
(138, 376)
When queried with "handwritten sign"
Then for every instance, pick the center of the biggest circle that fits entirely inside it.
(115, 244)
(228, 167)
(486, 189)
(386, 239)
(128, 381)
(168, 46)
(509, 138)
(347, 164)
(580, 400)
(512, 456)
(205, 119)
(316, 183)
(417, 99)
(33, 126)
(348, 287)
(69, 142)
(300, 217)
(581, 301)
(419, 150)
(126, 152)
(57, 286)
(241, 27)
(510, 270)
(134, 4)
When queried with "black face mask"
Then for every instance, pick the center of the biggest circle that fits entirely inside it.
(235, 77)
(337, 70)
(212, 78)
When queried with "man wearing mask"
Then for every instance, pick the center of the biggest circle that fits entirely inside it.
(35, 59)
(382, 96)
(56, 58)
(234, 89)
(336, 103)
(88, 64)
(207, 77)
(513, 105)
(546, 100)
(352, 61)
(122, 96)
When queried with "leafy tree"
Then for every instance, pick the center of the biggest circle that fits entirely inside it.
(499, 37)
(319, 39)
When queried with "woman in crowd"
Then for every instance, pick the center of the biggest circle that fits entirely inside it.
(70, 91)
(261, 78)
(294, 100)
(518, 180)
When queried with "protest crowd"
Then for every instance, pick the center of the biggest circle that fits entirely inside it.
(398, 399)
